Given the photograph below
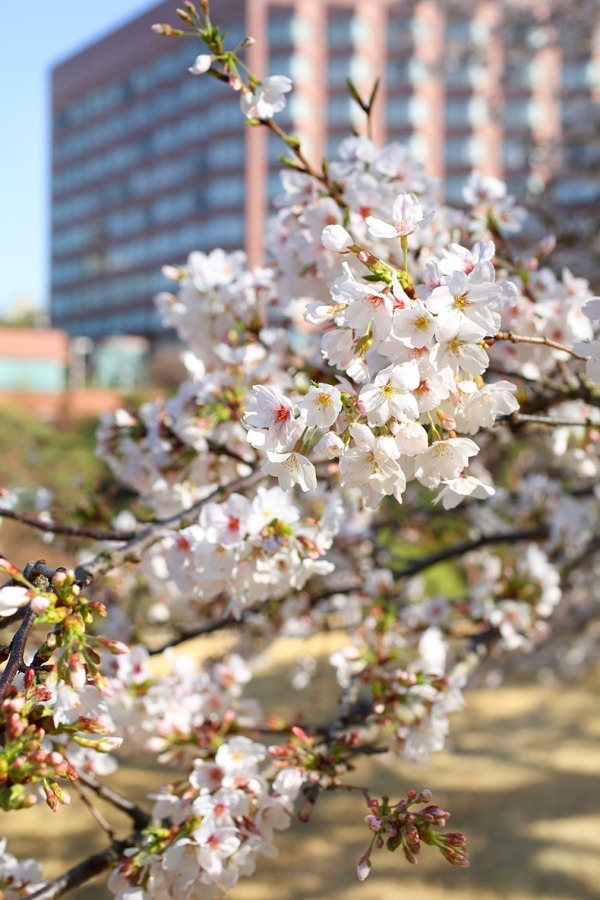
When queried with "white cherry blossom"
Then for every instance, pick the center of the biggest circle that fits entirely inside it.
(291, 469)
(458, 299)
(389, 395)
(407, 216)
(459, 348)
(321, 404)
(444, 460)
(267, 98)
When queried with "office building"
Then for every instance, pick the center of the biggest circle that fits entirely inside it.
(149, 162)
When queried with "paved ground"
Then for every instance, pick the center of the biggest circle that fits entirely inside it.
(522, 778)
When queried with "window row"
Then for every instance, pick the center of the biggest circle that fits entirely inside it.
(171, 207)
(171, 137)
(145, 78)
(150, 180)
(137, 116)
(155, 249)
(108, 292)
(128, 321)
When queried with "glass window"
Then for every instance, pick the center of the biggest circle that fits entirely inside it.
(458, 151)
(399, 32)
(514, 154)
(280, 64)
(398, 73)
(576, 190)
(516, 111)
(458, 29)
(453, 188)
(339, 30)
(576, 76)
(338, 70)
(32, 375)
(338, 110)
(280, 30)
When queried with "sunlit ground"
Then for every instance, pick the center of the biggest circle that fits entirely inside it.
(522, 778)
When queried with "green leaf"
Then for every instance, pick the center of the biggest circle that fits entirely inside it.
(355, 95)
(374, 93)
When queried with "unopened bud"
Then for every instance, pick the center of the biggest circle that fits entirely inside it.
(166, 30)
(116, 647)
(363, 868)
(201, 64)
(40, 604)
(185, 16)
(77, 673)
(59, 579)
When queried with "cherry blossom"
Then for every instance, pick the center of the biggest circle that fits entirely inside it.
(407, 217)
(267, 98)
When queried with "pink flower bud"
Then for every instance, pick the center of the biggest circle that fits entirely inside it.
(77, 673)
(40, 604)
(116, 647)
(363, 868)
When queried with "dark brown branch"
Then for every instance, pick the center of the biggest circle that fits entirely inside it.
(209, 628)
(17, 649)
(132, 551)
(485, 540)
(70, 530)
(82, 872)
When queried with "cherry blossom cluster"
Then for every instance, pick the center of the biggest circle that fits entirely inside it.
(212, 826)
(410, 689)
(170, 452)
(182, 712)
(55, 718)
(242, 553)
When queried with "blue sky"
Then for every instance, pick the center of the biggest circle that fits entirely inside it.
(33, 37)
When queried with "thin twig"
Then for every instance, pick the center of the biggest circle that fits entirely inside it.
(137, 815)
(526, 339)
(102, 822)
(554, 421)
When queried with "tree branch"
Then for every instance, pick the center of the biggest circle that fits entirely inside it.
(17, 649)
(132, 551)
(525, 339)
(554, 421)
(71, 530)
(138, 816)
(485, 540)
(83, 871)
